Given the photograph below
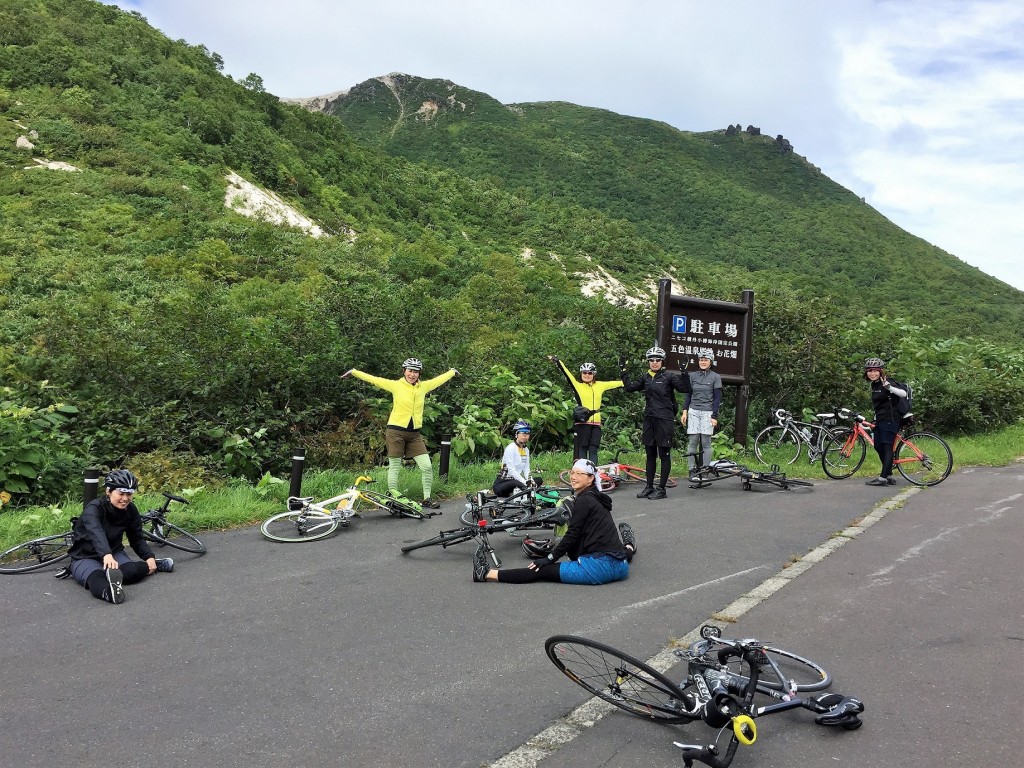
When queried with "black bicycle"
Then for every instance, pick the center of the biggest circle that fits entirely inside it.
(721, 469)
(729, 684)
(521, 505)
(47, 550)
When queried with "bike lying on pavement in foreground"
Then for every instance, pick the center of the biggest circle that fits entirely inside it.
(729, 684)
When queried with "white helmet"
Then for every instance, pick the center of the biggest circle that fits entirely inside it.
(412, 364)
(655, 353)
(588, 368)
(706, 352)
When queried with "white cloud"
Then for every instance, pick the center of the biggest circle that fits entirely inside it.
(914, 104)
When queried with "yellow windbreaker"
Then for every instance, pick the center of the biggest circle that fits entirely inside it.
(589, 395)
(408, 398)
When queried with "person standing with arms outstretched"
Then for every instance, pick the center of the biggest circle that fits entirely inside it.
(700, 409)
(402, 436)
(659, 387)
(588, 393)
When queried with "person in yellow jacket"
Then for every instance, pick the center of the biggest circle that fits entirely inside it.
(402, 436)
(586, 415)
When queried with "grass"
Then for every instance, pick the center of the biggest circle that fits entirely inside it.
(244, 504)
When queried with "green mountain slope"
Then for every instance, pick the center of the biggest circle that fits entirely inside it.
(720, 197)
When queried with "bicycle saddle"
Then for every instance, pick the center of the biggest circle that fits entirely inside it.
(842, 710)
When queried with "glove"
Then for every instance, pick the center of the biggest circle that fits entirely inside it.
(540, 562)
(553, 359)
(622, 360)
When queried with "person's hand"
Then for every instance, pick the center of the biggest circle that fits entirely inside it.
(682, 419)
(538, 563)
(552, 358)
(346, 374)
(152, 565)
(714, 422)
(456, 372)
(109, 561)
(622, 360)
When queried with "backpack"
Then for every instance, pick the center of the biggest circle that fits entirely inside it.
(904, 405)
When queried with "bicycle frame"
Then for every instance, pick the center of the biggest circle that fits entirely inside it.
(818, 432)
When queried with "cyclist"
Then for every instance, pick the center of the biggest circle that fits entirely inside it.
(885, 396)
(586, 415)
(700, 409)
(98, 560)
(659, 387)
(515, 463)
(402, 435)
(596, 553)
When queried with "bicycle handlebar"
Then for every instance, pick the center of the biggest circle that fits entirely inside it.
(781, 415)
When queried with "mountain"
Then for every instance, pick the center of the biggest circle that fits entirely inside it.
(731, 196)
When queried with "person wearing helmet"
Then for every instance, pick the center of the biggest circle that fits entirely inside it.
(98, 559)
(885, 396)
(586, 415)
(402, 435)
(700, 410)
(659, 387)
(515, 462)
(596, 553)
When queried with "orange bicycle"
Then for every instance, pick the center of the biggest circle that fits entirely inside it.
(923, 458)
(610, 476)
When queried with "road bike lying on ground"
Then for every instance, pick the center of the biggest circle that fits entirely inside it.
(309, 520)
(782, 443)
(611, 476)
(46, 550)
(923, 458)
(720, 469)
(484, 505)
(729, 684)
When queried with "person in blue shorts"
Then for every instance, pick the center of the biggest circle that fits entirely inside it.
(596, 553)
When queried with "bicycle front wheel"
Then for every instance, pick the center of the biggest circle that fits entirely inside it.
(620, 679)
(777, 445)
(35, 554)
(843, 454)
(923, 458)
(780, 670)
(303, 525)
(160, 532)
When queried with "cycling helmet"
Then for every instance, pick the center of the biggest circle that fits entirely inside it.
(874, 362)
(588, 368)
(121, 478)
(521, 426)
(538, 547)
(706, 353)
(655, 353)
(412, 364)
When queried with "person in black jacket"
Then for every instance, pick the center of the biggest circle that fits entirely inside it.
(885, 396)
(659, 387)
(98, 560)
(596, 553)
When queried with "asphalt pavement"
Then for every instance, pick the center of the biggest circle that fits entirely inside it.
(346, 652)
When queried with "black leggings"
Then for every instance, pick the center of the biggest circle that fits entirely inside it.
(133, 572)
(508, 486)
(547, 572)
(655, 452)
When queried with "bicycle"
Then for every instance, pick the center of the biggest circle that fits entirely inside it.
(48, 550)
(720, 469)
(782, 443)
(484, 505)
(723, 677)
(611, 475)
(309, 520)
(923, 458)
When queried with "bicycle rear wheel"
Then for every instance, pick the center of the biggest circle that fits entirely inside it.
(444, 540)
(923, 458)
(777, 445)
(35, 554)
(395, 506)
(631, 474)
(843, 453)
(303, 525)
(161, 532)
(620, 679)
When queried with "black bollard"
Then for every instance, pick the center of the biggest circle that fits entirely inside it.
(445, 456)
(90, 485)
(298, 463)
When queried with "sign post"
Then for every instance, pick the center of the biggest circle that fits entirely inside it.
(687, 324)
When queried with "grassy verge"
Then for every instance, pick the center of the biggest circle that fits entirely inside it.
(244, 504)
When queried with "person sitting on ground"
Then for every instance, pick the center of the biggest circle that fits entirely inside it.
(515, 463)
(98, 559)
(402, 435)
(596, 554)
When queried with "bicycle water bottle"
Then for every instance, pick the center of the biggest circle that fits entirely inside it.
(806, 433)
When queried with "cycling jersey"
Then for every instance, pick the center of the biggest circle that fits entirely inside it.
(589, 395)
(407, 408)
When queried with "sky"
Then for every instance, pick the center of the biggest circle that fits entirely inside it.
(917, 106)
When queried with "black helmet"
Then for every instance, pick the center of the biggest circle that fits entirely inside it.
(538, 547)
(121, 479)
